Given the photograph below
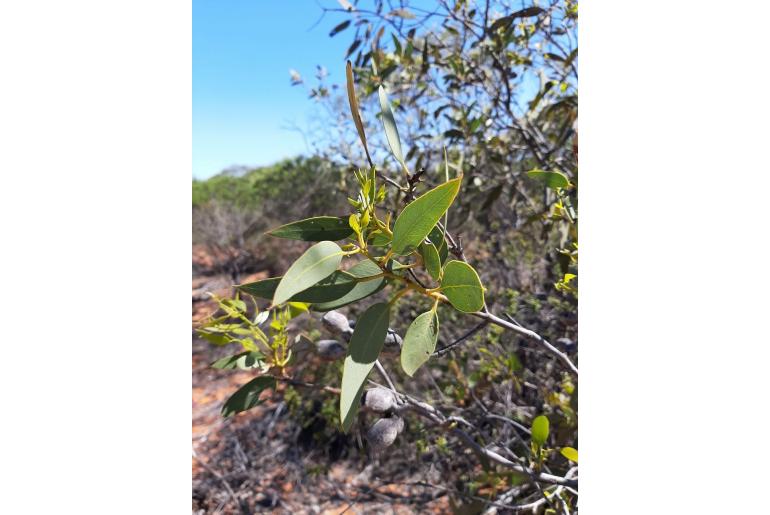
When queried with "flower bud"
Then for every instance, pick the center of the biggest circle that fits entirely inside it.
(384, 432)
(336, 323)
(379, 400)
(330, 350)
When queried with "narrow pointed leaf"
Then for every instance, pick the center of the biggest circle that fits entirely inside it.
(446, 178)
(317, 263)
(365, 345)
(540, 428)
(419, 342)
(339, 28)
(319, 228)
(354, 109)
(421, 215)
(337, 290)
(553, 180)
(389, 122)
(247, 396)
(431, 259)
(361, 289)
(462, 286)
(263, 289)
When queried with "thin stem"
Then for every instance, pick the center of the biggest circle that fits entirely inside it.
(529, 334)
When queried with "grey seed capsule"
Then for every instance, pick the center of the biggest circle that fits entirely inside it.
(336, 323)
(392, 345)
(379, 400)
(384, 432)
(330, 350)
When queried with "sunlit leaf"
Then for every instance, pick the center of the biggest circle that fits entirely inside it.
(297, 308)
(419, 342)
(318, 262)
(319, 228)
(247, 396)
(540, 428)
(389, 122)
(365, 345)
(570, 453)
(216, 338)
(462, 286)
(421, 215)
(553, 180)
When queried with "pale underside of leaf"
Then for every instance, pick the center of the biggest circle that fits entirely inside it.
(389, 123)
(419, 342)
(318, 262)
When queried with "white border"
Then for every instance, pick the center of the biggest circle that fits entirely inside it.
(95, 118)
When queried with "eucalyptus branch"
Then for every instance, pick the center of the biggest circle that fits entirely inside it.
(486, 315)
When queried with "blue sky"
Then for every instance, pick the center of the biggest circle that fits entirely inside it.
(242, 97)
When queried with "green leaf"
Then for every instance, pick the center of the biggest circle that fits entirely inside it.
(389, 122)
(360, 290)
(264, 289)
(319, 228)
(431, 259)
(216, 338)
(365, 345)
(297, 308)
(247, 396)
(570, 453)
(332, 288)
(506, 21)
(379, 239)
(419, 342)
(436, 237)
(242, 361)
(420, 216)
(339, 28)
(462, 286)
(353, 223)
(318, 262)
(540, 430)
(553, 180)
(353, 101)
